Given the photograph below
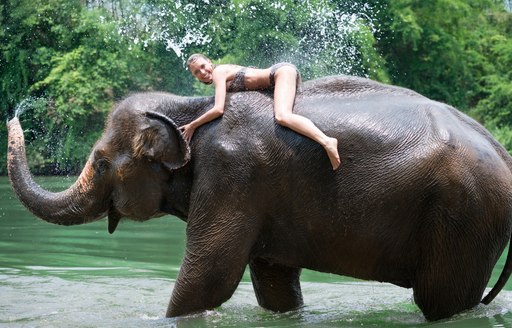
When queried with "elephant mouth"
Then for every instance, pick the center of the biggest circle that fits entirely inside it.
(119, 210)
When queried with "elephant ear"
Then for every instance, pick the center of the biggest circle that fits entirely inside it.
(161, 141)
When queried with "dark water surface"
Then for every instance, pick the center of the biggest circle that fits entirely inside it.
(54, 276)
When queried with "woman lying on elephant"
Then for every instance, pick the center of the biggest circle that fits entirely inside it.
(284, 78)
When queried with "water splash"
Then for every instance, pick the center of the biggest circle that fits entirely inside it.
(22, 107)
(29, 103)
(43, 142)
(334, 44)
(329, 35)
(173, 24)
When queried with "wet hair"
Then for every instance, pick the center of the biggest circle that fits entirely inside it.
(195, 57)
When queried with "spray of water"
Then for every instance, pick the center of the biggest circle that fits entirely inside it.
(22, 106)
(327, 32)
(29, 103)
(37, 133)
(173, 24)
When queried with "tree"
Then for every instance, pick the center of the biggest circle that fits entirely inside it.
(28, 39)
(78, 66)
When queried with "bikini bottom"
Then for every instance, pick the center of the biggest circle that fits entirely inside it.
(274, 68)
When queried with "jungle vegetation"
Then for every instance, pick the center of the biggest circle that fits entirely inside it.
(66, 62)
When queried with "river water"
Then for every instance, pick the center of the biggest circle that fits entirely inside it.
(54, 276)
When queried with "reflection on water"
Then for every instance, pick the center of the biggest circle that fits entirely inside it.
(54, 276)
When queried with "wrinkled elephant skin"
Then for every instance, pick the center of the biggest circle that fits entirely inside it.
(423, 198)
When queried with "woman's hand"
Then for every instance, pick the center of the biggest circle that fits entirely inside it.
(219, 80)
(188, 131)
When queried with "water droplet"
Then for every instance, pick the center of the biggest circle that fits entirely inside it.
(326, 34)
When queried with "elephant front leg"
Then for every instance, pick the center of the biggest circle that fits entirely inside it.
(204, 283)
(217, 253)
(277, 287)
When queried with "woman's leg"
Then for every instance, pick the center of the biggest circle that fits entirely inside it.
(284, 97)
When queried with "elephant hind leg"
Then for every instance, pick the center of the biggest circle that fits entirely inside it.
(451, 277)
(438, 301)
(277, 287)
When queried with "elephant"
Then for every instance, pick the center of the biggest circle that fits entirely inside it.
(422, 200)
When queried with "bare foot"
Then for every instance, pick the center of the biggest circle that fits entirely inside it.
(332, 151)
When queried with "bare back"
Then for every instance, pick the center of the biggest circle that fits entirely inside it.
(240, 78)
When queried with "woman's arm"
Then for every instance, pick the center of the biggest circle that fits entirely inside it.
(219, 80)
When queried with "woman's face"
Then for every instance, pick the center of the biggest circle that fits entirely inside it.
(202, 69)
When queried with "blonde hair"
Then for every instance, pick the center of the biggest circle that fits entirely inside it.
(195, 57)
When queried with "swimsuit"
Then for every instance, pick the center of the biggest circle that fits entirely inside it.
(275, 67)
(238, 82)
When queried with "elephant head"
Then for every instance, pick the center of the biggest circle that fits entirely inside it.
(125, 175)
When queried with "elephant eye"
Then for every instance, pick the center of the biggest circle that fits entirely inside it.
(101, 165)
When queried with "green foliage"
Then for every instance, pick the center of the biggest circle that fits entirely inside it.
(455, 51)
(78, 67)
(495, 106)
(432, 46)
(84, 80)
(503, 135)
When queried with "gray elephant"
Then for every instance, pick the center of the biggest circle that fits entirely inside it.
(422, 200)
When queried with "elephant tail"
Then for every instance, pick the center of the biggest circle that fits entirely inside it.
(502, 280)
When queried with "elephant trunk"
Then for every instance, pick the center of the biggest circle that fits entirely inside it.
(85, 201)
